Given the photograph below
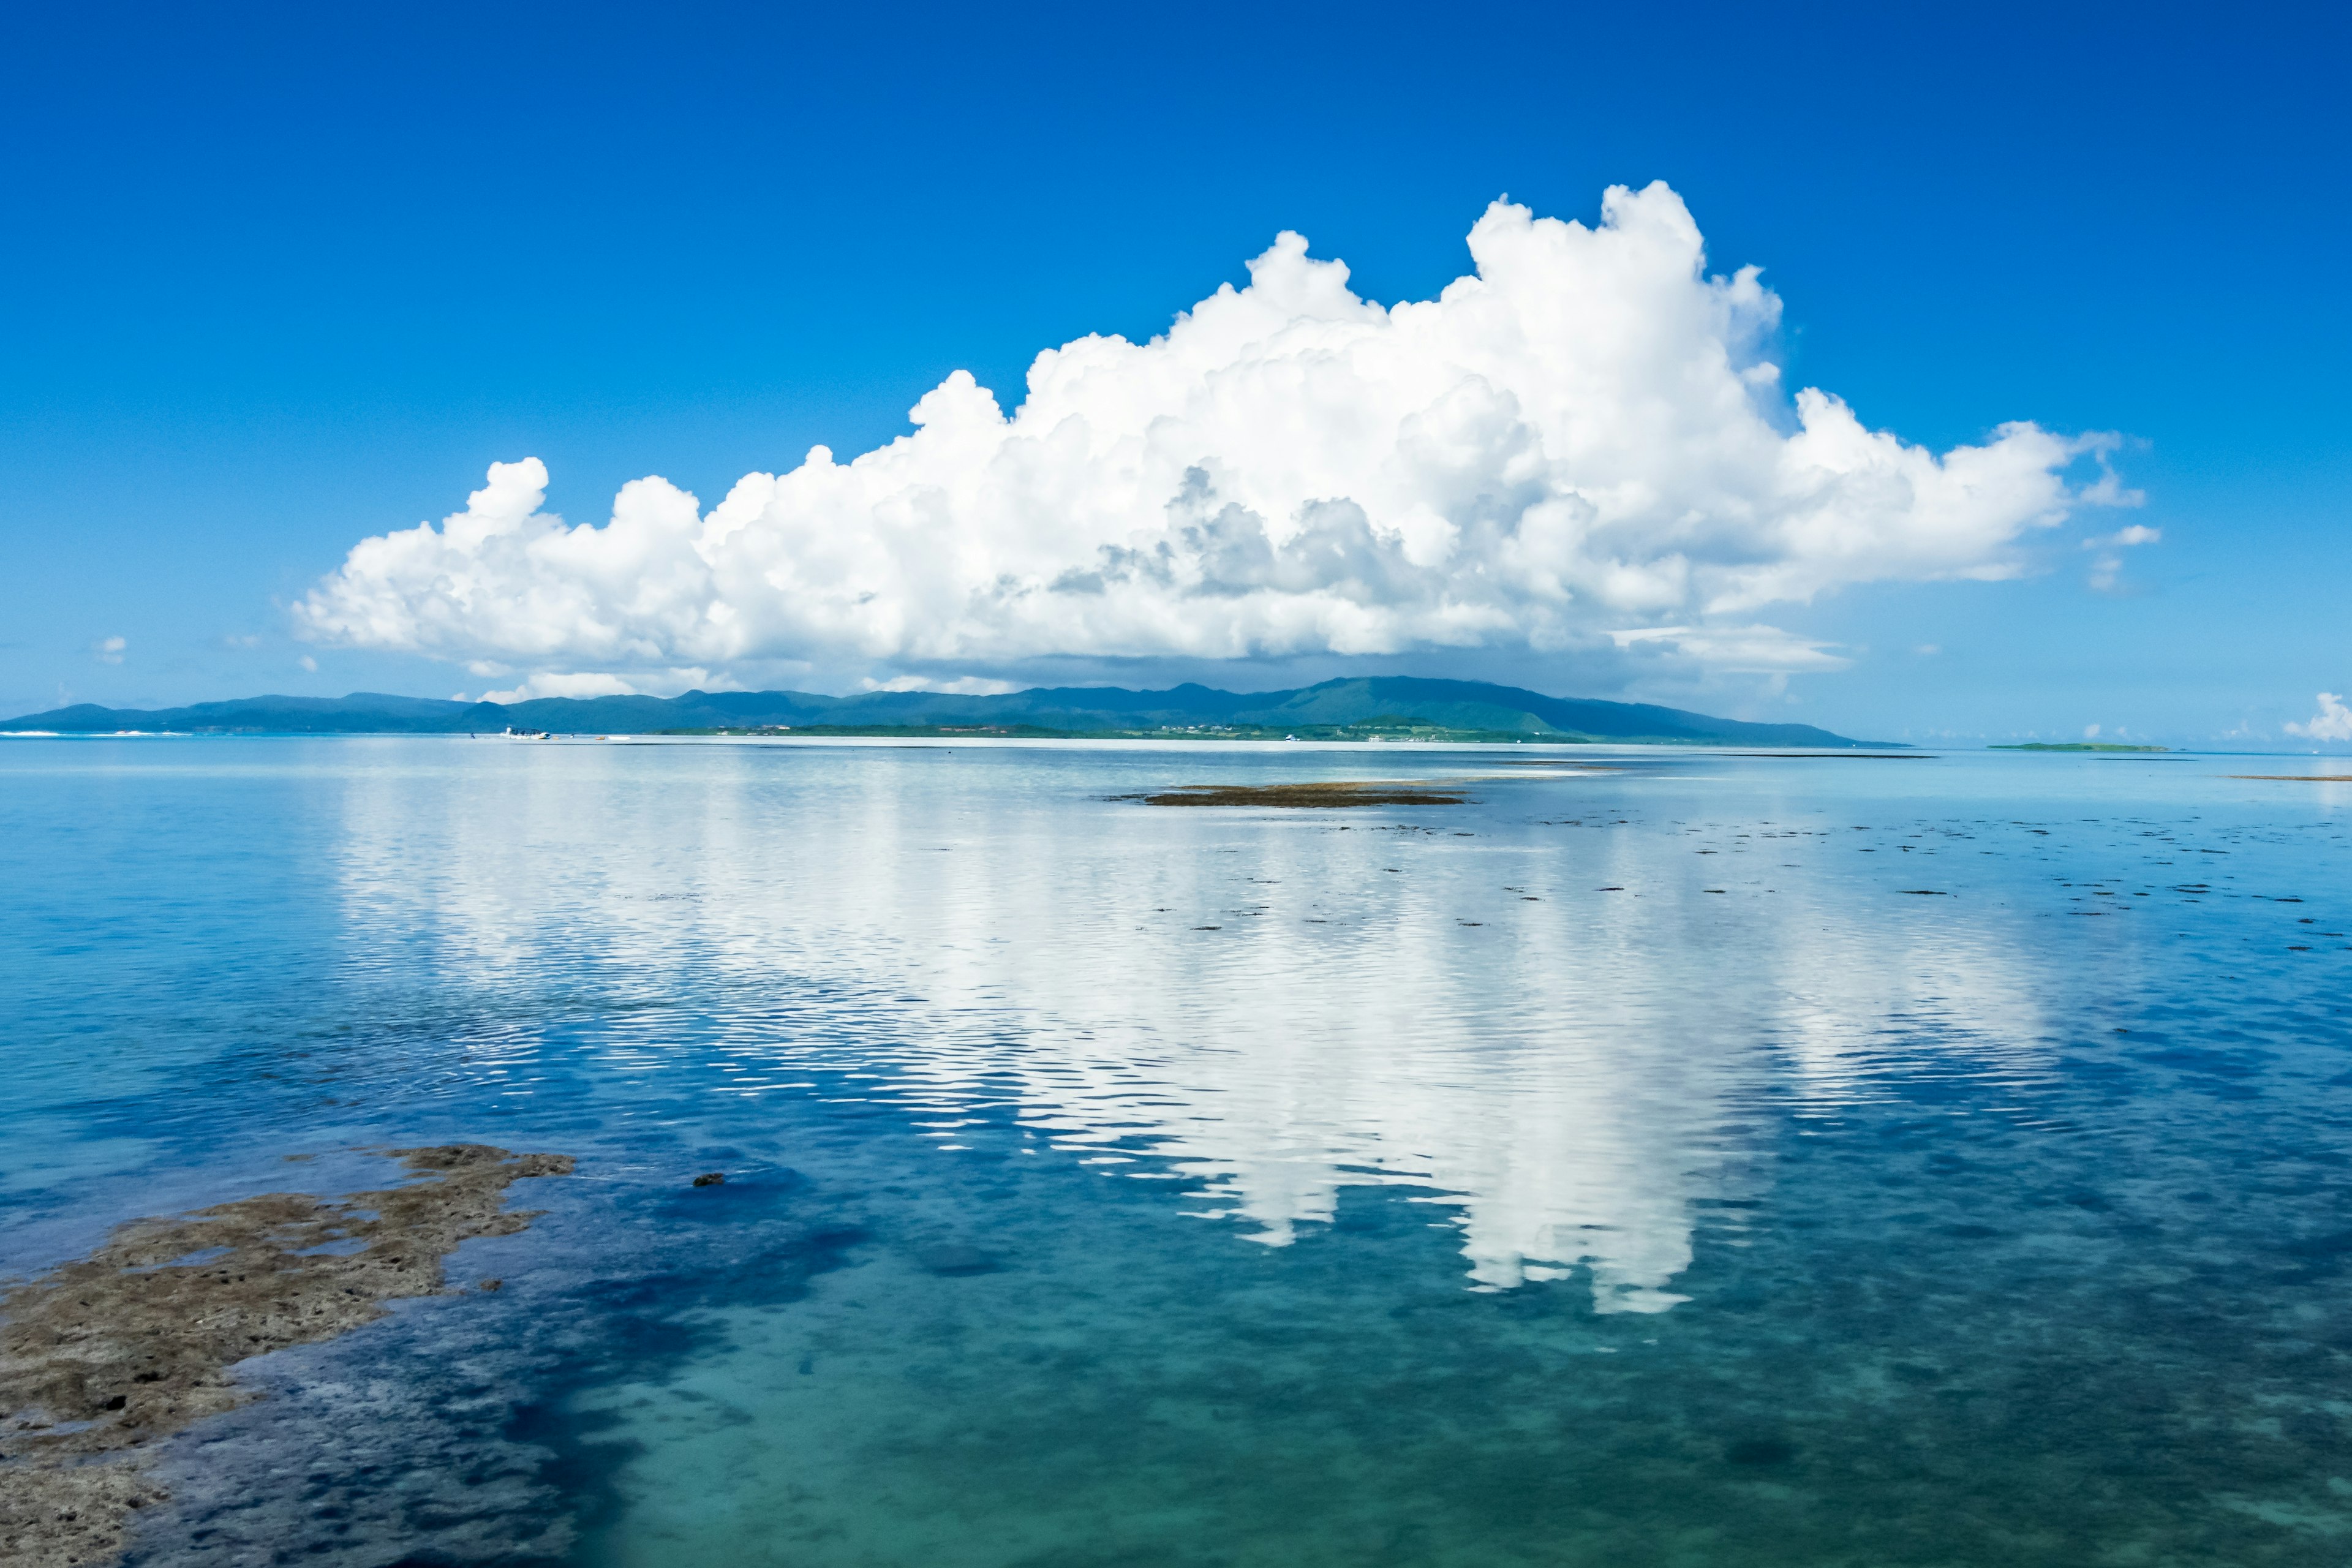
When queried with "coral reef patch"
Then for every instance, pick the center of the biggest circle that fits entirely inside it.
(102, 1357)
(1318, 794)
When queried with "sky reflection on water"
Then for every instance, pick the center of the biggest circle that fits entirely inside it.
(1881, 1090)
(1272, 1006)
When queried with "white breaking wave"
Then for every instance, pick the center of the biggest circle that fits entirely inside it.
(1585, 438)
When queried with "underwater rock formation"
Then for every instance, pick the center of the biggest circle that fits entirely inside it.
(1316, 794)
(104, 1356)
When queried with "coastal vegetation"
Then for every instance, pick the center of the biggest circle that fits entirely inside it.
(1389, 708)
(1385, 729)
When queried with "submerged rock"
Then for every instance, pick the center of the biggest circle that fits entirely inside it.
(1318, 794)
(1763, 1450)
(104, 1356)
(955, 1260)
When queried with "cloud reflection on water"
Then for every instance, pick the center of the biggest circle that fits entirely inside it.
(1433, 1000)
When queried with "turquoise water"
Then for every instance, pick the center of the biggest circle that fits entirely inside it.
(1691, 1161)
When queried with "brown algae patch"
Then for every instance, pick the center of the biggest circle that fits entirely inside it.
(1319, 793)
(104, 1356)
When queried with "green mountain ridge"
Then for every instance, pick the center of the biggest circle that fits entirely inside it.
(1464, 706)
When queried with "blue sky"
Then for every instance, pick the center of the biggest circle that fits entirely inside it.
(279, 282)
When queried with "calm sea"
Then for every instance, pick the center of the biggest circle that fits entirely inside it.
(1691, 1161)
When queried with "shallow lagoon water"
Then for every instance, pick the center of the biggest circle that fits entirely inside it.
(1662, 1159)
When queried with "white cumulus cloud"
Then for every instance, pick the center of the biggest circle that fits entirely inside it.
(2332, 722)
(963, 686)
(592, 683)
(1583, 441)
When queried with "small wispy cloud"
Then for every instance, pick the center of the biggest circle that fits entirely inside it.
(593, 683)
(963, 686)
(108, 650)
(1753, 649)
(2108, 570)
(2108, 489)
(567, 685)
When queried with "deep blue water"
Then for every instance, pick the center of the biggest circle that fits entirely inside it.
(1712, 1161)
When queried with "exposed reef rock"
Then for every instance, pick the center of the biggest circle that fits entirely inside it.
(1320, 793)
(101, 1357)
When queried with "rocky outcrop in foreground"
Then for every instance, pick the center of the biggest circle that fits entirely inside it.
(102, 1357)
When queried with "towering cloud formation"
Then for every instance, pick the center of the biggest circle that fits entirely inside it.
(1582, 440)
(2332, 722)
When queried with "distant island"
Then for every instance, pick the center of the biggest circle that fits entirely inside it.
(1383, 709)
(2074, 746)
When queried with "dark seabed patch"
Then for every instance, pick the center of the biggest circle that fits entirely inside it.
(1319, 794)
